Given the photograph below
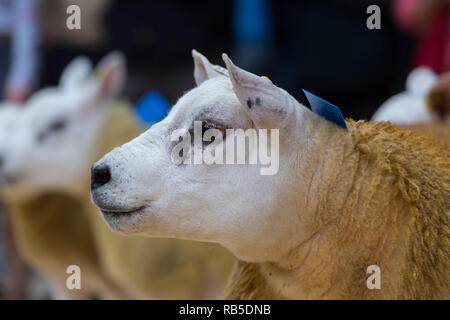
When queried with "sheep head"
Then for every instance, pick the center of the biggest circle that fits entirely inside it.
(51, 144)
(426, 99)
(147, 186)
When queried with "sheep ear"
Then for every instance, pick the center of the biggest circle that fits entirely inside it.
(267, 105)
(420, 81)
(111, 74)
(77, 71)
(203, 69)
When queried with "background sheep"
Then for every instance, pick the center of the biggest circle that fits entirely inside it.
(424, 107)
(49, 227)
(342, 200)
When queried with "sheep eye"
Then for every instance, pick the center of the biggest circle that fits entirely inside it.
(58, 125)
(54, 127)
(206, 125)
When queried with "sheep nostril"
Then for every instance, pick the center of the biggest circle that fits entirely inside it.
(100, 175)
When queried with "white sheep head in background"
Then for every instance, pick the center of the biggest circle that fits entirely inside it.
(410, 107)
(140, 190)
(49, 148)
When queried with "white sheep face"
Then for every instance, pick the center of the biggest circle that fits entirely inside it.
(409, 107)
(50, 147)
(145, 192)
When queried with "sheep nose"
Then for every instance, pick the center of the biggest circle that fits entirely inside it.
(100, 175)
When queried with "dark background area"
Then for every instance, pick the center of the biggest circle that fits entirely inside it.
(323, 46)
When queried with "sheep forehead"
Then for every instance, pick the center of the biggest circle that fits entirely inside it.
(49, 106)
(213, 99)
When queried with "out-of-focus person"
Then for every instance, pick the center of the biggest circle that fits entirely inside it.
(19, 48)
(429, 20)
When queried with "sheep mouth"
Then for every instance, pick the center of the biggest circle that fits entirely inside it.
(126, 221)
(121, 212)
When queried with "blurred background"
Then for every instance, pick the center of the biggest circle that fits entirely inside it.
(321, 45)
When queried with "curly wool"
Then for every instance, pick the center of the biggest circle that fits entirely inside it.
(438, 132)
(388, 205)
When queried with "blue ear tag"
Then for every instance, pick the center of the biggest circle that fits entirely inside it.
(152, 108)
(325, 109)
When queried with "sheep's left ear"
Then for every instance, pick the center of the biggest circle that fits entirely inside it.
(204, 70)
(267, 105)
(77, 71)
(110, 74)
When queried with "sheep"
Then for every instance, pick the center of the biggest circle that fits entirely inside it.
(424, 107)
(13, 273)
(49, 227)
(137, 267)
(409, 107)
(343, 201)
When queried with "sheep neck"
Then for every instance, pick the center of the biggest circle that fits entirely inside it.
(368, 226)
